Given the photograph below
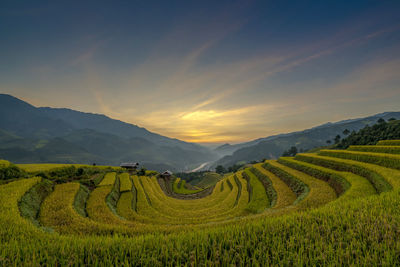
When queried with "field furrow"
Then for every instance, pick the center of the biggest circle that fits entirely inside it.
(352, 186)
(284, 195)
(319, 192)
(382, 159)
(383, 179)
(376, 149)
(258, 196)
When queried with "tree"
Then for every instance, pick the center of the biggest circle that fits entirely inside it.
(220, 169)
(328, 142)
(291, 152)
(337, 139)
(234, 168)
(370, 135)
(391, 119)
(381, 120)
(142, 172)
(346, 132)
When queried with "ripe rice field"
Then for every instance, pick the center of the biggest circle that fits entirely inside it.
(334, 207)
(51, 166)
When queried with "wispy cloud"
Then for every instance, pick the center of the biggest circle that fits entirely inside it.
(202, 80)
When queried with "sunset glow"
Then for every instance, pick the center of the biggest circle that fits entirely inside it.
(216, 72)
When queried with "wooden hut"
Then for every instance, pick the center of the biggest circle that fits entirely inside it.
(166, 174)
(130, 166)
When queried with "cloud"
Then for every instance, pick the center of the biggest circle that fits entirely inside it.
(180, 90)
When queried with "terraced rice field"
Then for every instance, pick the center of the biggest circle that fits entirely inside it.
(336, 207)
(179, 187)
(51, 166)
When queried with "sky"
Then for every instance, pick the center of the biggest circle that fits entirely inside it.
(205, 71)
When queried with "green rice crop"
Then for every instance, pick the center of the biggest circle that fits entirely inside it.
(258, 199)
(267, 183)
(80, 200)
(179, 187)
(30, 202)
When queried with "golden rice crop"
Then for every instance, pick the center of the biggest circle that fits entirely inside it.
(389, 143)
(189, 205)
(125, 182)
(4, 163)
(109, 179)
(284, 195)
(181, 215)
(359, 228)
(180, 188)
(383, 159)
(361, 232)
(376, 149)
(202, 203)
(349, 231)
(49, 166)
(383, 179)
(58, 212)
(319, 192)
(357, 186)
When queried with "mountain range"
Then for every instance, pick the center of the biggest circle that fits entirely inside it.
(30, 134)
(273, 146)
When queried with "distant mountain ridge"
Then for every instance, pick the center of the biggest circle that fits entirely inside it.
(273, 146)
(29, 134)
(228, 149)
(32, 135)
(102, 123)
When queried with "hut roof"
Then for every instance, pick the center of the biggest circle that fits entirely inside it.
(167, 173)
(129, 164)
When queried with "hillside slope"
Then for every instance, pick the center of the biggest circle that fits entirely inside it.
(273, 146)
(328, 203)
(29, 135)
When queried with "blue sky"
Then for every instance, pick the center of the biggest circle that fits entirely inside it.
(205, 71)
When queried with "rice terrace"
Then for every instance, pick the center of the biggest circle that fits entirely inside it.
(200, 133)
(332, 206)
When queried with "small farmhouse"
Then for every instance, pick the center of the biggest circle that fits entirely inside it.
(166, 174)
